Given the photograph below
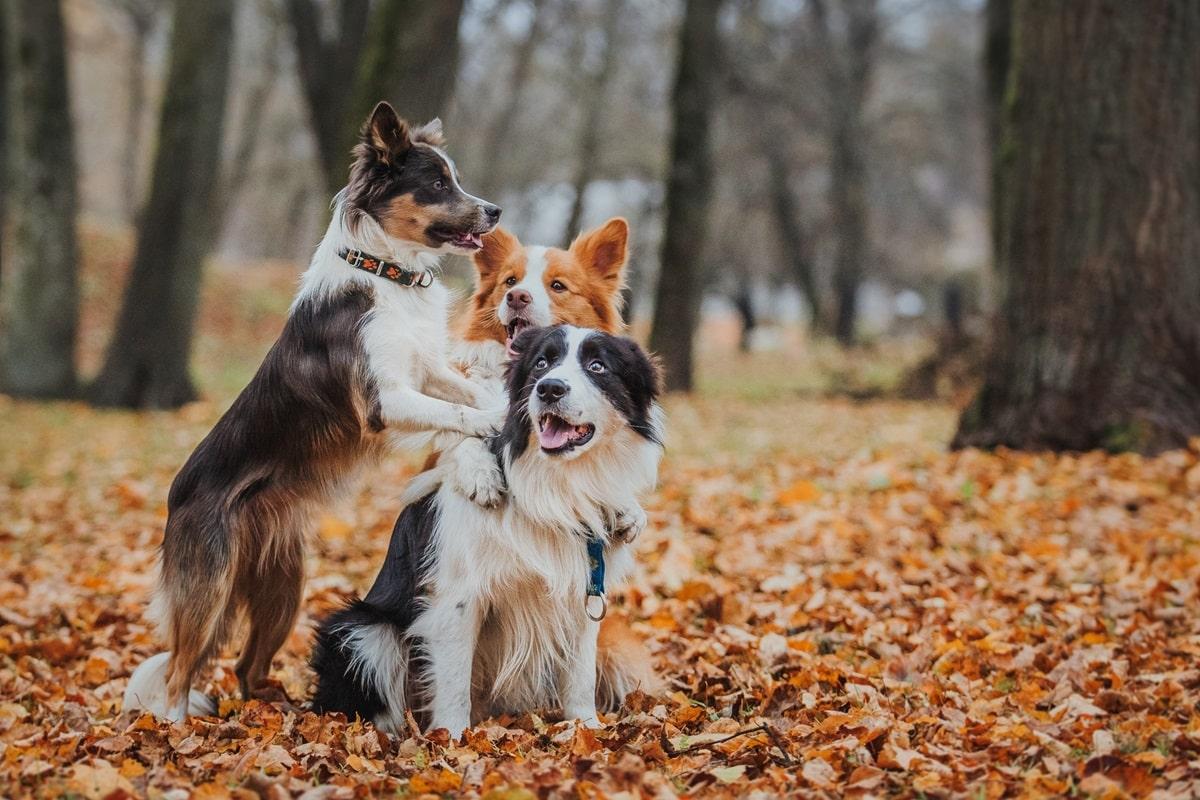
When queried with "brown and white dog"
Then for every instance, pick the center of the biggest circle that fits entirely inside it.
(362, 355)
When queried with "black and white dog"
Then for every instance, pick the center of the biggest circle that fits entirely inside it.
(480, 611)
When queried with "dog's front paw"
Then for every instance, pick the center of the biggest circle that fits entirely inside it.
(484, 422)
(628, 523)
(476, 475)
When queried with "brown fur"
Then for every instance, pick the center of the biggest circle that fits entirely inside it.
(623, 663)
(592, 270)
(242, 505)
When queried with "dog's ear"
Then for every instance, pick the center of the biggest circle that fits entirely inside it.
(497, 247)
(605, 249)
(642, 377)
(386, 135)
(430, 133)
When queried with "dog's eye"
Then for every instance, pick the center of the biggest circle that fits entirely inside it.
(558, 286)
(541, 364)
(597, 366)
(439, 185)
(511, 280)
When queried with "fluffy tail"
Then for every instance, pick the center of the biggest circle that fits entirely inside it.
(360, 659)
(623, 664)
(147, 690)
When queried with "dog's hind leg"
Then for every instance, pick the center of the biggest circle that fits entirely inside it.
(196, 621)
(272, 602)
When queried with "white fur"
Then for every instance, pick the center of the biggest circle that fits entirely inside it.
(534, 282)
(147, 690)
(379, 656)
(510, 583)
(404, 342)
(404, 336)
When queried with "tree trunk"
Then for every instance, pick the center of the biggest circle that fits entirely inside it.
(743, 301)
(147, 361)
(3, 134)
(39, 297)
(140, 17)
(848, 74)
(595, 95)
(791, 234)
(996, 54)
(411, 60)
(1097, 343)
(326, 67)
(498, 135)
(677, 299)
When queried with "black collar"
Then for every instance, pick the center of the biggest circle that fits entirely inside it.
(386, 269)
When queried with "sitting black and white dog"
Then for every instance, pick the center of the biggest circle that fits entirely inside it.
(481, 611)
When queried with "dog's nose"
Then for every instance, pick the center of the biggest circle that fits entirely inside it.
(551, 389)
(492, 212)
(518, 299)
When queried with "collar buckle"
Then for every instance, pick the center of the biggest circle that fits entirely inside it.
(355, 257)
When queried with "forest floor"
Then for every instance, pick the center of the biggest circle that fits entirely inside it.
(837, 605)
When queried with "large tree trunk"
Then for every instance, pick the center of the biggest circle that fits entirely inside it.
(327, 66)
(496, 143)
(3, 133)
(411, 60)
(39, 296)
(677, 299)
(1098, 339)
(848, 75)
(595, 98)
(147, 361)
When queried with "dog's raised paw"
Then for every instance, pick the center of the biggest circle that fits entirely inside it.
(628, 523)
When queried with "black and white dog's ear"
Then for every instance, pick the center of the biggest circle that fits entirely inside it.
(642, 377)
(514, 436)
(386, 136)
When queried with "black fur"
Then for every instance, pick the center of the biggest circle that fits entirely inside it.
(392, 160)
(394, 600)
(630, 381)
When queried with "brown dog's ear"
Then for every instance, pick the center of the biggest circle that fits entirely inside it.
(430, 133)
(604, 250)
(386, 134)
(497, 247)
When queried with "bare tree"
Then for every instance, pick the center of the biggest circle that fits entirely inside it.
(140, 16)
(796, 247)
(39, 296)
(848, 72)
(595, 98)
(3, 126)
(500, 132)
(677, 298)
(146, 365)
(327, 65)
(1098, 339)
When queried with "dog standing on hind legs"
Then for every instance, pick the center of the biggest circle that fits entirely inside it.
(361, 357)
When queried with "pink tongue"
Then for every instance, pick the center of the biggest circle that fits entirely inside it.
(554, 435)
(508, 346)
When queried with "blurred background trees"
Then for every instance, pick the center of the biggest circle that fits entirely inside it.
(848, 146)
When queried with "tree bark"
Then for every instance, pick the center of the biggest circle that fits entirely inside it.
(1098, 340)
(327, 65)
(678, 295)
(848, 75)
(3, 134)
(140, 16)
(39, 296)
(498, 135)
(595, 97)
(411, 60)
(146, 365)
(996, 55)
(796, 249)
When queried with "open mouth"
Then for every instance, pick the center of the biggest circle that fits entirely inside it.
(513, 330)
(556, 435)
(466, 240)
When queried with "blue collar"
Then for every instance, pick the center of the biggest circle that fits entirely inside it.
(595, 588)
